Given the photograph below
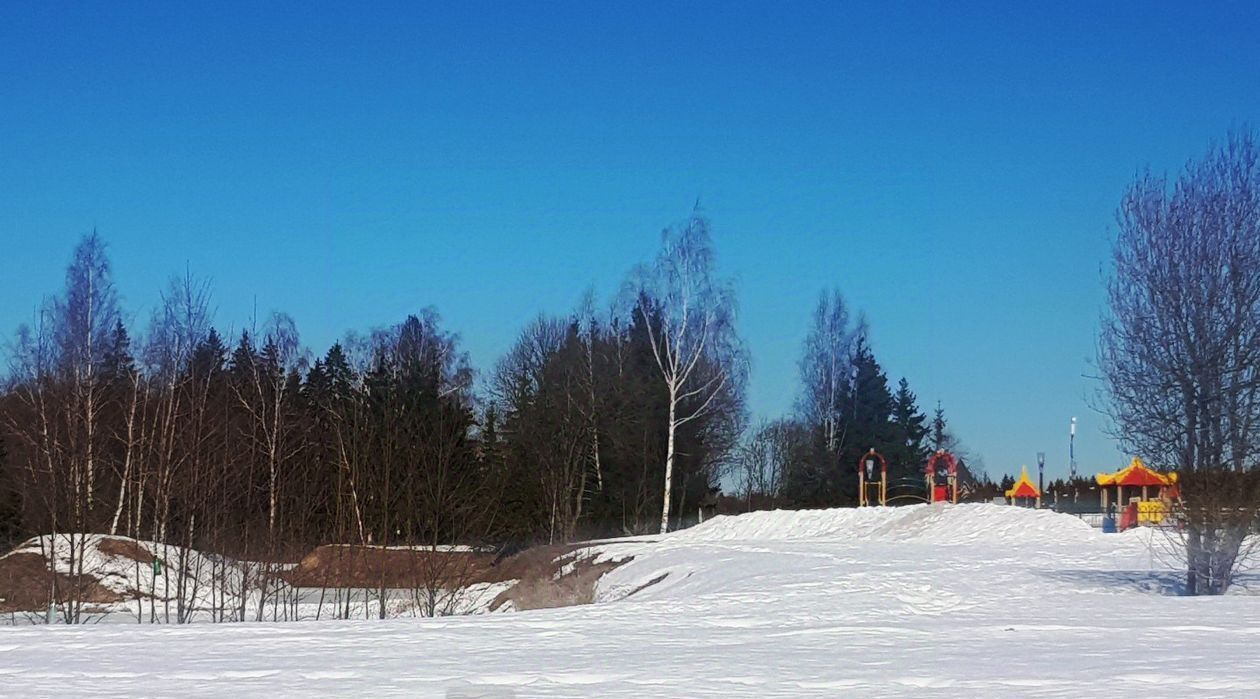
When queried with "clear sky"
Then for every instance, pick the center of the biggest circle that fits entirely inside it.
(953, 169)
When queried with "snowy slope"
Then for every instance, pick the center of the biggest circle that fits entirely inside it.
(943, 601)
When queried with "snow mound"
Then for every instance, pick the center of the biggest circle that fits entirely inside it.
(119, 569)
(935, 524)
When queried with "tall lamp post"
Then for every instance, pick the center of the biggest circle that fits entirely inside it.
(1072, 456)
(1072, 448)
(1041, 473)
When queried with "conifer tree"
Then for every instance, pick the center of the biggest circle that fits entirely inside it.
(866, 418)
(910, 425)
(941, 438)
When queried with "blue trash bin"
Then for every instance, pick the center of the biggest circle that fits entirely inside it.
(1109, 524)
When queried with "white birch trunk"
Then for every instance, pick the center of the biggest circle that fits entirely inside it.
(669, 461)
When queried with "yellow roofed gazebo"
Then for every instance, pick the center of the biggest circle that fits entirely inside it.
(1024, 488)
(1135, 475)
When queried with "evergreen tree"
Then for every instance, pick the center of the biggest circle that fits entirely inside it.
(338, 371)
(824, 475)
(209, 355)
(867, 419)
(244, 358)
(911, 450)
(118, 363)
(941, 438)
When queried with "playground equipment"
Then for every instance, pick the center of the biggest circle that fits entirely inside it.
(867, 482)
(1024, 491)
(1141, 508)
(941, 474)
(909, 489)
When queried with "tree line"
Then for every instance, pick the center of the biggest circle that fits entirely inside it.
(618, 420)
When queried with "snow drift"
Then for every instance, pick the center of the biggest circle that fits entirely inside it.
(935, 524)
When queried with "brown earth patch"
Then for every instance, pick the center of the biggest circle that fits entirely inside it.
(25, 584)
(25, 580)
(126, 548)
(535, 571)
(351, 566)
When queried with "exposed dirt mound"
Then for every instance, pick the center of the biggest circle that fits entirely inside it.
(26, 582)
(350, 566)
(117, 567)
(546, 576)
(126, 548)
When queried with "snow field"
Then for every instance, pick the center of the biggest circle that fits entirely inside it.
(929, 601)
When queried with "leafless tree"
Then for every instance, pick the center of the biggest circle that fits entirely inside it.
(59, 416)
(1180, 344)
(764, 460)
(690, 317)
(543, 384)
(84, 321)
(826, 366)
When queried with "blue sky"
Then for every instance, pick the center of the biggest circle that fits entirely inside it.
(953, 169)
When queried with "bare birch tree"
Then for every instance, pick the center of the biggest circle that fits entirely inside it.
(84, 323)
(827, 367)
(690, 318)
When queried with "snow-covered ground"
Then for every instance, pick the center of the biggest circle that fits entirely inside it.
(925, 601)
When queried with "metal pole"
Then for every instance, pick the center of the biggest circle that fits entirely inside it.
(1041, 474)
(1072, 448)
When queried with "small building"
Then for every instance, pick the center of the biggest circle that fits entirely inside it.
(1024, 492)
(1149, 492)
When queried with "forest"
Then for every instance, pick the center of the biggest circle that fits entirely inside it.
(626, 417)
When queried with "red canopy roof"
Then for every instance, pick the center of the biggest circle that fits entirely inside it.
(1024, 487)
(1135, 474)
(1022, 490)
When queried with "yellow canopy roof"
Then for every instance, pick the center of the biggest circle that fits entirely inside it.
(1024, 487)
(1136, 473)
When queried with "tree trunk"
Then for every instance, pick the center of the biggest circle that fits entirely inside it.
(669, 461)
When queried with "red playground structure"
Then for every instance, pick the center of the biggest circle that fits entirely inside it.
(941, 474)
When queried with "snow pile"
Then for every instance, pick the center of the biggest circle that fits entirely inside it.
(934, 524)
(126, 568)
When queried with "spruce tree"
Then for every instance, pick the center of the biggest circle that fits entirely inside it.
(911, 450)
(941, 438)
(868, 419)
(209, 355)
(118, 362)
(243, 358)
